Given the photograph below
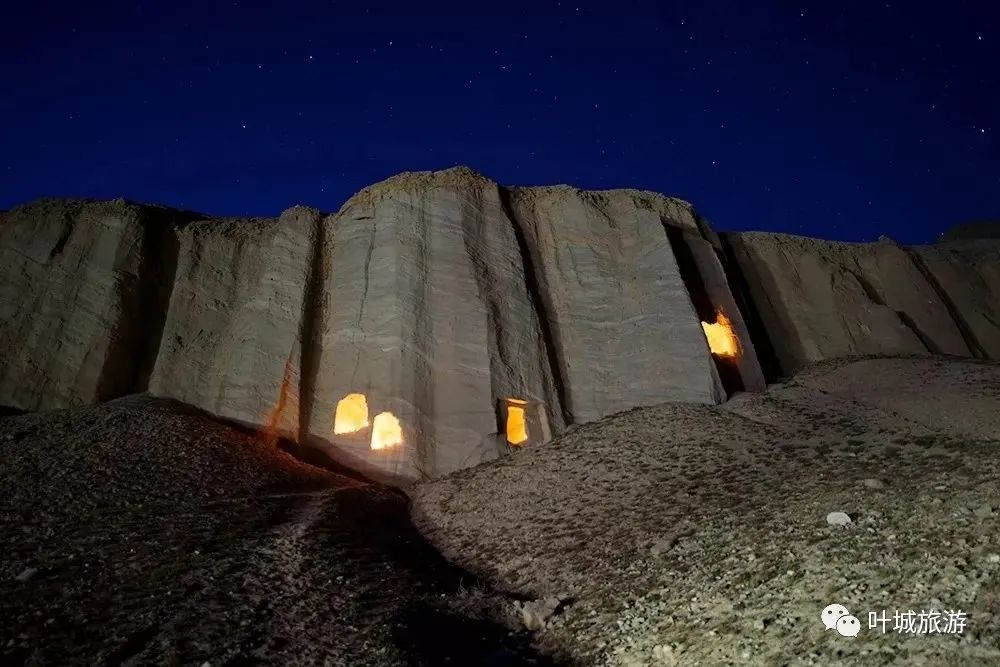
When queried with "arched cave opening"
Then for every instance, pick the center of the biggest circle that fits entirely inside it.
(351, 415)
(386, 431)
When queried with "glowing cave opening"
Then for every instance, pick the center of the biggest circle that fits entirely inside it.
(352, 414)
(517, 427)
(386, 431)
(721, 338)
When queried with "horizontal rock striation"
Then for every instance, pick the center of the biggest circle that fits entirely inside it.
(439, 320)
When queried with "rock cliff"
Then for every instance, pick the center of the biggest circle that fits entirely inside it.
(825, 299)
(82, 299)
(440, 319)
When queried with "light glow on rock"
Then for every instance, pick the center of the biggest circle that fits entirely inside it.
(386, 431)
(352, 414)
(517, 427)
(721, 338)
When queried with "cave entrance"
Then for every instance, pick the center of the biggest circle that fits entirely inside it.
(386, 431)
(351, 415)
(523, 422)
(516, 427)
(722, 341)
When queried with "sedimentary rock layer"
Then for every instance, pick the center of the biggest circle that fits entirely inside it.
(397, 333)
(825, 299)
(82, 297)
(623, 326)
(232, 340)
(425, 310)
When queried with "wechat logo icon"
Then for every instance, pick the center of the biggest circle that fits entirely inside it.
(837, 617)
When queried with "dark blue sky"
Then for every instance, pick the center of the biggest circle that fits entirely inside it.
(839, 119)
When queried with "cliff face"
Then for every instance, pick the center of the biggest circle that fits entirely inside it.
(824, 299)
(439, 319)
(232, 342)
(967, 276)
(82, 296)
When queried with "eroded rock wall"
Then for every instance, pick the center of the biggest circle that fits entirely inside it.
(967, 274)
(824, 299)
(623, 326)
(232, 342)
(82, 296)
(426, 310)
(741, 372)
(440, 297)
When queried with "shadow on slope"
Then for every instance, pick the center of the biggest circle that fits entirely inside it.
(140, 531)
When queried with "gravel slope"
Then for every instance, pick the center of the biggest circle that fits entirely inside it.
(684, 534)
(142, 532)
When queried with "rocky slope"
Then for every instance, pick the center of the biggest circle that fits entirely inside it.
(698, 535)
(142, 532)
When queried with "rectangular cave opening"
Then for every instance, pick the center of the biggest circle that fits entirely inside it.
(722, 341)
(522, 422)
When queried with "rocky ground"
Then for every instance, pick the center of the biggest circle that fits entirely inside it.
(685, 534)
(142, 532)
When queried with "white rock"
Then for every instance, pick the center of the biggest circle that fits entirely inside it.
(838, 519)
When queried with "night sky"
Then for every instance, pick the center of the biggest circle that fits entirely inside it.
(843, 120)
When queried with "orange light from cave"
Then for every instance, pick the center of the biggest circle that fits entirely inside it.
(386, 431)
(721, 338)
(351, 415)
(517, 427)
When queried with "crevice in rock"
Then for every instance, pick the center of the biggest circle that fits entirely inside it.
(424, 389)
(767, 357)
(866, 287)
(144, 304)
(975, 347)
(873, 295)
(535, 293)
(166, 251)
(64, 235)
(694, 283)
(498, 341)
(310, 329)
(925, 340)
